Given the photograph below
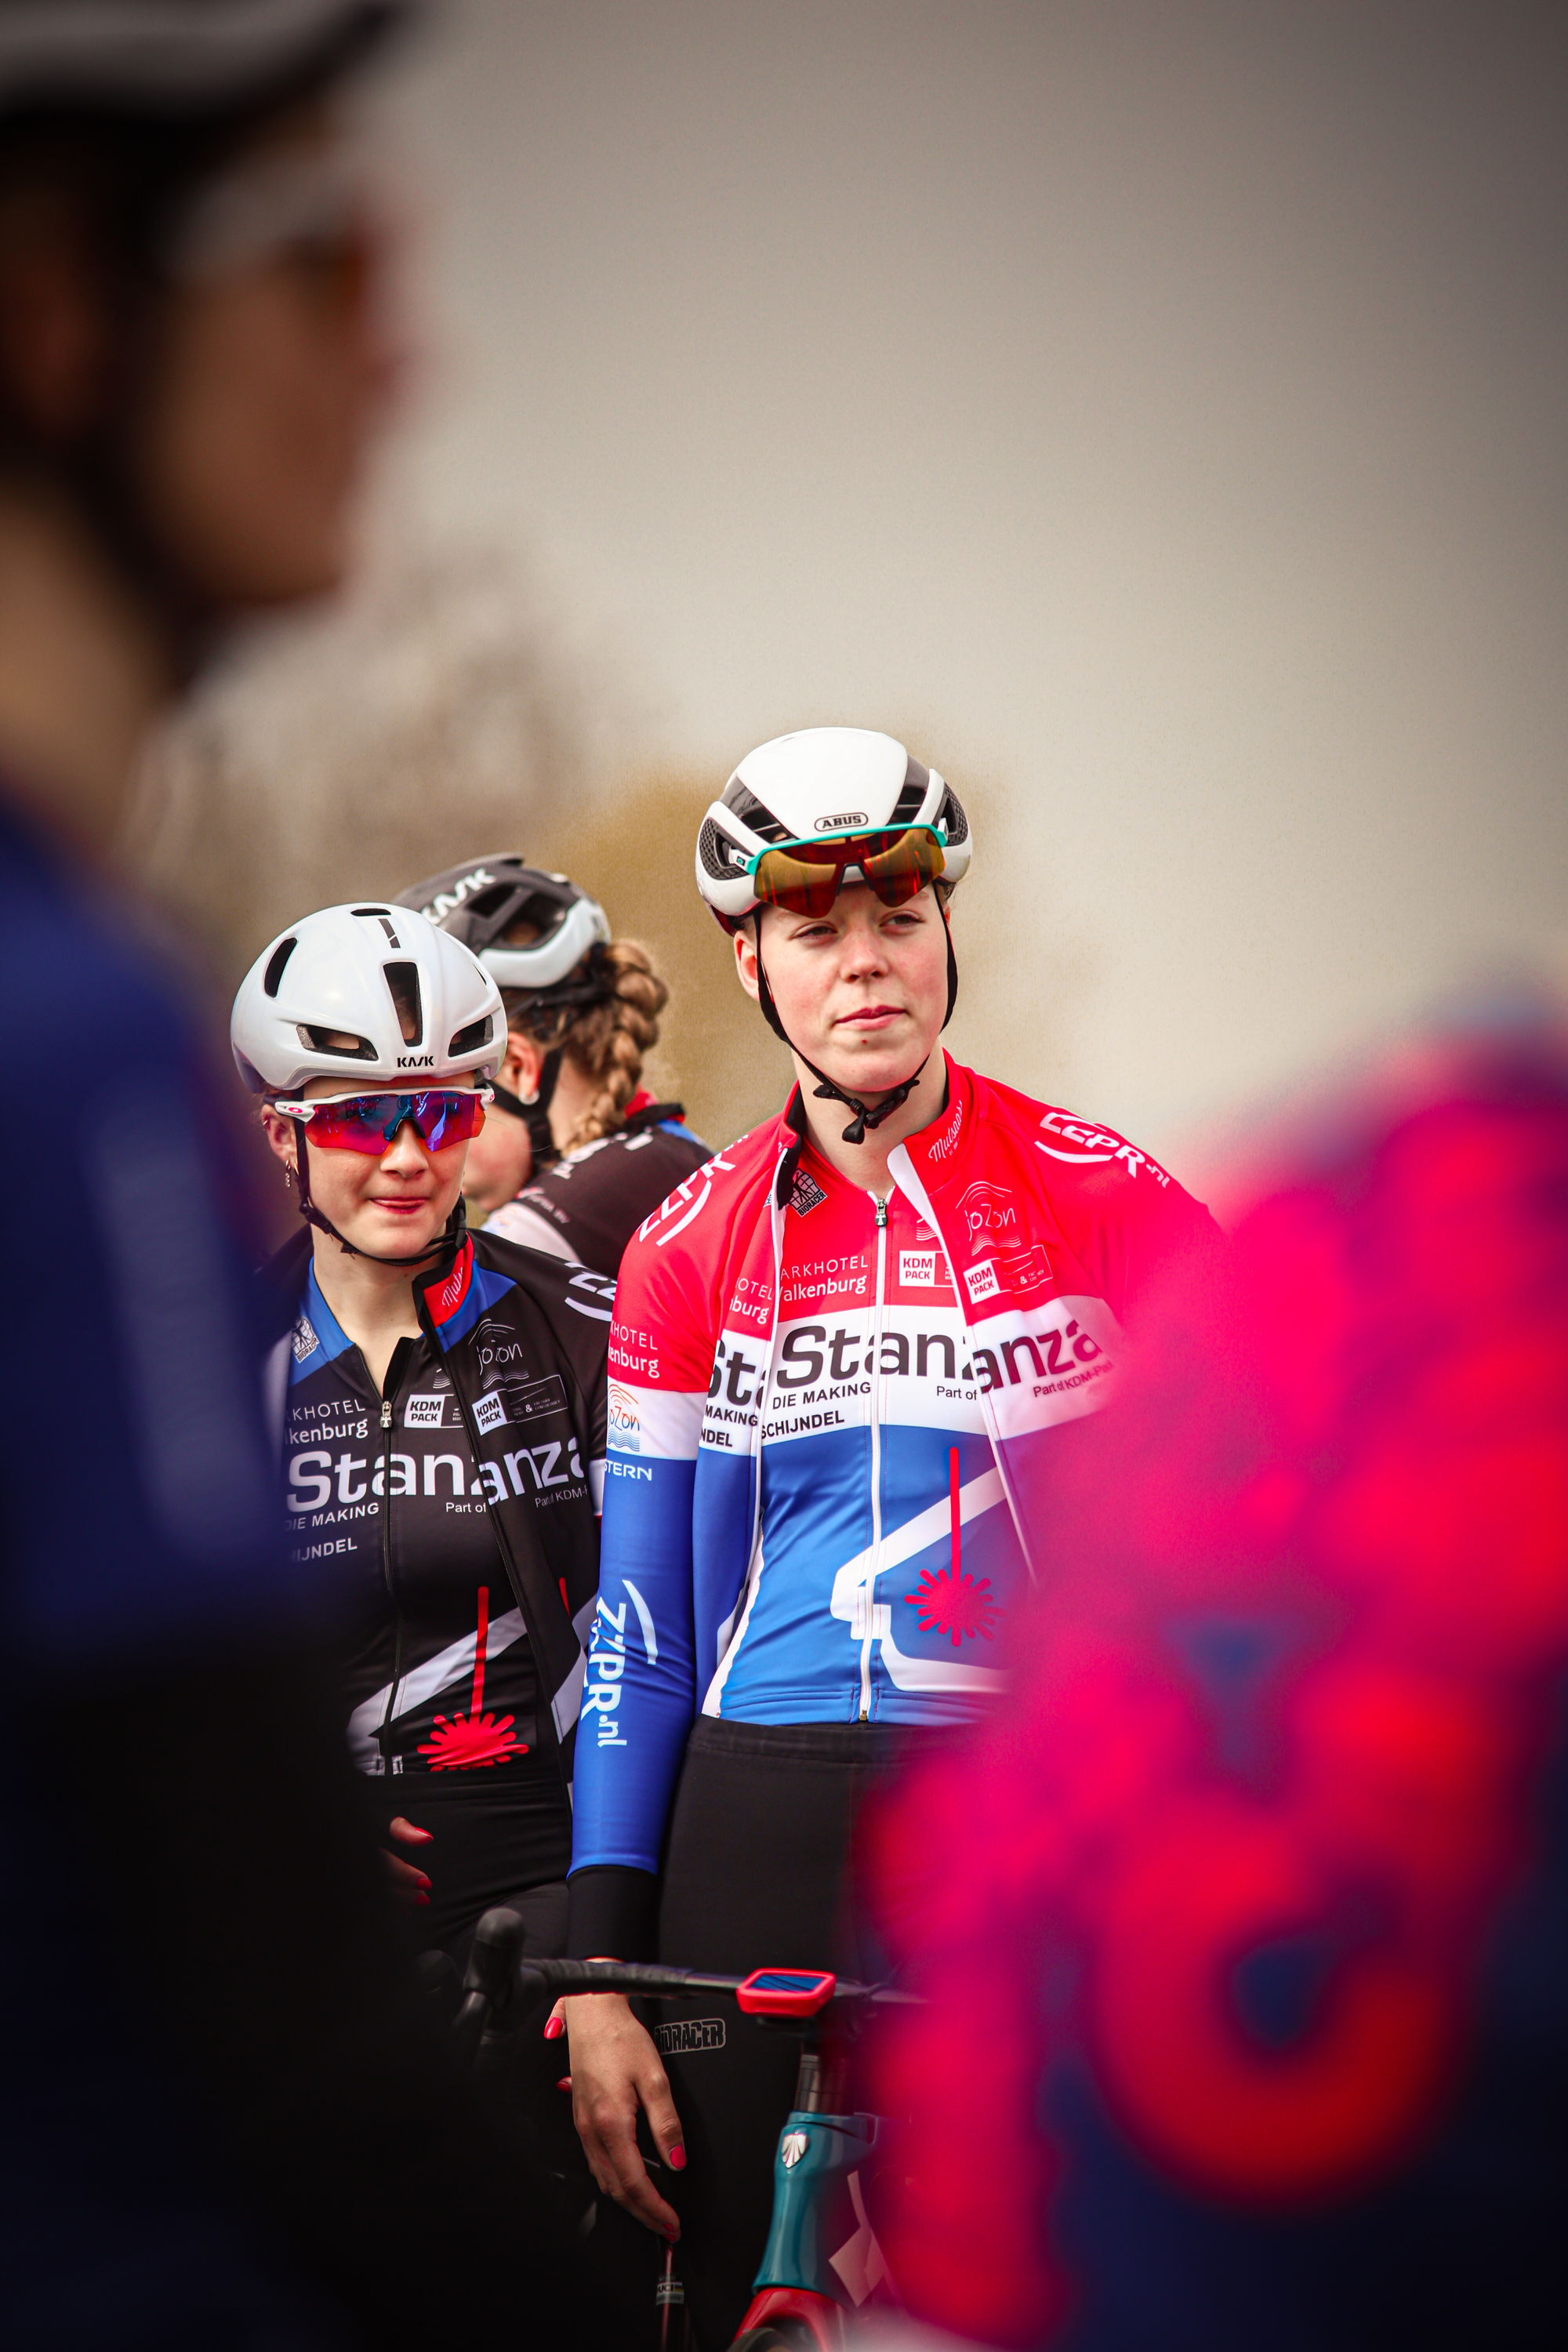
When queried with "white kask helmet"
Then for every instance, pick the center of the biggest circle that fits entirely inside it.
(812, 785)
(401, 1001)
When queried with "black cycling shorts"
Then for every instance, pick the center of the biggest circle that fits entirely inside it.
(755, 1876)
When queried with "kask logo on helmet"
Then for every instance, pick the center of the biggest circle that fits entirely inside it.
(445, 900)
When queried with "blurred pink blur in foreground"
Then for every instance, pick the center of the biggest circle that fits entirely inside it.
(1229, 1877)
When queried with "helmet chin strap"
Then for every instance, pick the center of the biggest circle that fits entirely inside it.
(534, 1111)
(323, 1225)
(828, 1089)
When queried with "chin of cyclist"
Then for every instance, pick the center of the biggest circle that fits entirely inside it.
(582, 1154)
(848, 1362)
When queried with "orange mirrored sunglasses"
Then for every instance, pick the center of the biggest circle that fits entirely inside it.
(806, 876)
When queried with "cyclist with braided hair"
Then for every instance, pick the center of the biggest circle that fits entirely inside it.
(587, 1154)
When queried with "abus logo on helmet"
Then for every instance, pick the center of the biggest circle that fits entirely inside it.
(842, 822)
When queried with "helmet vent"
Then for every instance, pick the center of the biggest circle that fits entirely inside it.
(717, 852)
(470, 1040)
(373, 911)
(403, 986)
(275, 963)
(953, 818)
(485, 903)
(751, 812)
(317, 1040)
(911, 794)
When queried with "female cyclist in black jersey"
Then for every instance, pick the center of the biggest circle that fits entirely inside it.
(442, 1405)
(440, 1398)
(585, 1154)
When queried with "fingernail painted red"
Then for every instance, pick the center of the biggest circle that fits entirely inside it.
(677, 2160)
(555, 2029)
(564, 2083)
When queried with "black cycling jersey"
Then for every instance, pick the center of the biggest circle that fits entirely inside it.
(588, 1205)
(454, 1512)
(384, 1488)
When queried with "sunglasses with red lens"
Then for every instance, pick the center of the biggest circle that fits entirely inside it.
(804, 877)
(369, 1123)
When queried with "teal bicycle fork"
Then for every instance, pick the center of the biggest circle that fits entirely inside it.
(822, 2260)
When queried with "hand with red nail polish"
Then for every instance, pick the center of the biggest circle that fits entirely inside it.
(615, 2071)
(410, 1885)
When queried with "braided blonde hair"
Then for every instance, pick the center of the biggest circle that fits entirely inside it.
(607, 1042)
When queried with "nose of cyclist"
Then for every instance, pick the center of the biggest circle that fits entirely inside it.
(408, 1154)
(863, 954)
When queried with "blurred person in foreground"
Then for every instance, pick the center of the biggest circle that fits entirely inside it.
(580, 1154)
(1260, 1892)
(225, 2119)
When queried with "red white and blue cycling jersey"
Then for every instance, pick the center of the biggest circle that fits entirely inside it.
(832, 1424)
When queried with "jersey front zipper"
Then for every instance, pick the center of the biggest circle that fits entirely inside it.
(868, 1589)
(391, 1376)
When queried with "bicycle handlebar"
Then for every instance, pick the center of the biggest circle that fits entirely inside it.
(782, 1993)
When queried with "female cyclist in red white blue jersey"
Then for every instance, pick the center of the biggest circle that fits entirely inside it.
(847, 1355)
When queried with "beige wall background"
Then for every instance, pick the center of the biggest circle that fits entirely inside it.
(1153, 413)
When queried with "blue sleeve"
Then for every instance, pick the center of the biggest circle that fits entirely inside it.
(141, 1513)
(641, 1693)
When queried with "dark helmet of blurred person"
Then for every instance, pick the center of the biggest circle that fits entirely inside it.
(581, 1008)
(191, 351)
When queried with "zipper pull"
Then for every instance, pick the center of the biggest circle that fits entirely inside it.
(386, 1413)
(881, 1216)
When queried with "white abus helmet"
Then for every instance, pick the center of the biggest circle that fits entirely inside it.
(812, 785)
(373, 996)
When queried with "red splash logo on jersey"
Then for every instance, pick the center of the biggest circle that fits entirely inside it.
(948, 1600)
(464, 1742)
